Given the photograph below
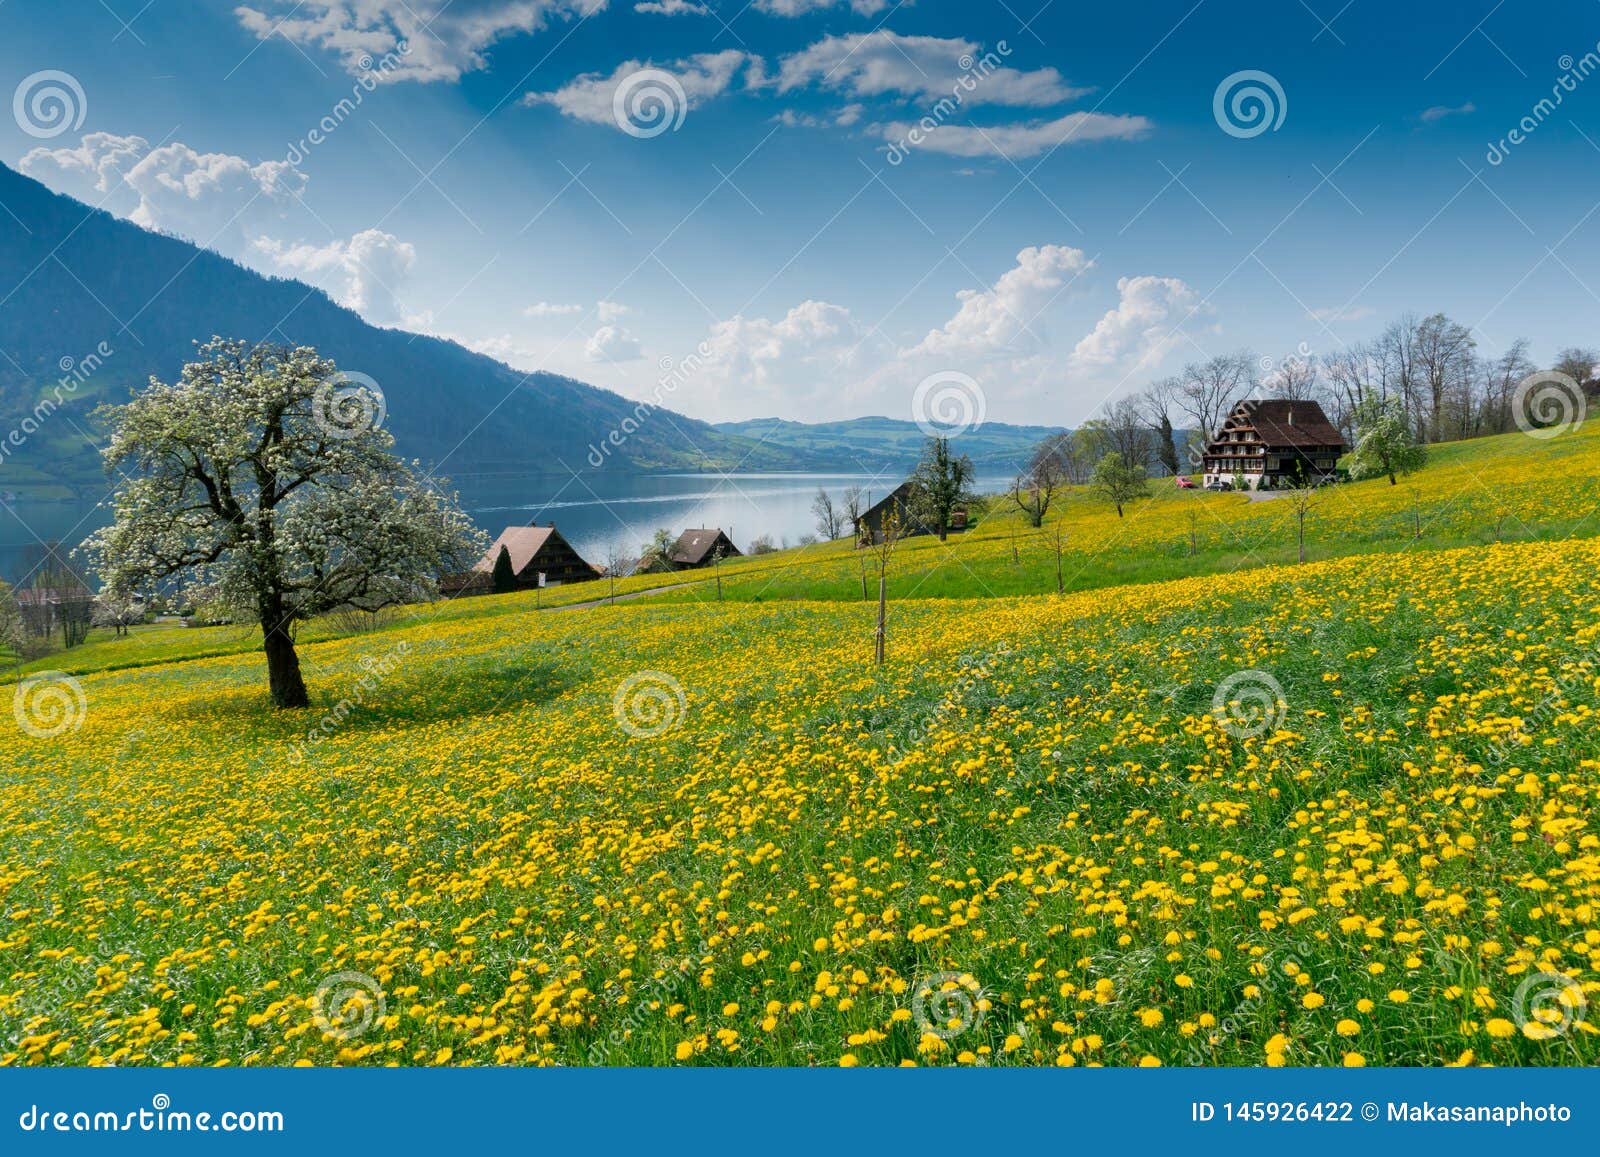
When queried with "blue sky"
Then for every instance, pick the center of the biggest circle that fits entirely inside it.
(1079, 222)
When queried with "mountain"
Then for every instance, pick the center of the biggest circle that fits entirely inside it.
(871, 443)
(73, 277)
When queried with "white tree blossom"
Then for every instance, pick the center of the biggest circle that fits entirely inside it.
(262, 475)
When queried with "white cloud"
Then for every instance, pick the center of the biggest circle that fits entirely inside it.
(364, 273)
(802, 7)
(610, 311)
(884, 63)
(445, 38)
(1139, 332)
(591, 97)
(993, 322)
(540, 309)
(1439, 111)
(672, 8)
(1016, 140)
(213, 198)
(612, 343)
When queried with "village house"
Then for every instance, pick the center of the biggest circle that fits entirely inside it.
(1271, 443)
(899, 502)
(540, 557)
(702, 547)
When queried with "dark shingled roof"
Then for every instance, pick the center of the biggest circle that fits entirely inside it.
(1281, 422)
(521, 543)
(694, 545)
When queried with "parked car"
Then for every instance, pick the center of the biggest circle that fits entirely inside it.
(1219, 484)
(1185, 483)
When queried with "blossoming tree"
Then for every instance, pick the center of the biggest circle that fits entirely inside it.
(262, 474)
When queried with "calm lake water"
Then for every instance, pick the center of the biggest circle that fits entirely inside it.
(595, 511)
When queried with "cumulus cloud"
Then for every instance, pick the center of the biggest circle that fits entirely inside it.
(444, 38)
(591, 97)
(213, 198)
(1016, 140)
(364, 273)
(992, 322)
(672, 8)
(1140, 331)
(612, 343)
(884, 63)
(609, 311)
(541, 309)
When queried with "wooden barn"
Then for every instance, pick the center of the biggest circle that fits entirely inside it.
(539, 557)
(1273, 442)
(869, 528)
(698, 548)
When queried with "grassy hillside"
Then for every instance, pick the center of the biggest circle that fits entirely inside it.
(1337, 813)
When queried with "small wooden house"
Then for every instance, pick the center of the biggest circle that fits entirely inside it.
(1273, 442)
(539, 557)
(698, 548)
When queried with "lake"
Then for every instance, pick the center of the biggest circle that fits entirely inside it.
(595, 511)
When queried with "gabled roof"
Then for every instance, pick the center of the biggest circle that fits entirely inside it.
(522, 543)
(900, 495)
(694, 545)
(1281, 422)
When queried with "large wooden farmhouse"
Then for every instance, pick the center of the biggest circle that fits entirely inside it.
(1273, 442)
(698, 548)
(540, 557)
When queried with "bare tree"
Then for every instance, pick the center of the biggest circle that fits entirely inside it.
(1444, 361)
(1155, 406)
(1120, 429)
(1503, 375)
(891, 532)
(854, 506)
(1301, 500)
(1578, 363)
(1035, 488)
(1055, 539)
(826, 514)
(1207, 391)
(1296, 377)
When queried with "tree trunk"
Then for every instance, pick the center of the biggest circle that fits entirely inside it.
(283, 666)
(1302, 539)
(1059, 588)
(881, 634)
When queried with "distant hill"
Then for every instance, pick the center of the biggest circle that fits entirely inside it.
(870, 443)
(72, 277)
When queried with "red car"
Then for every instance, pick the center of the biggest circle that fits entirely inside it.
(1185, 483)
